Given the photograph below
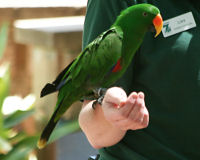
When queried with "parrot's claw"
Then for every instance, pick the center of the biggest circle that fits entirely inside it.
(94, 104)
(98, 101)
(99, 94)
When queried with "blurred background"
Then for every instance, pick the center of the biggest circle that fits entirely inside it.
(38, 38)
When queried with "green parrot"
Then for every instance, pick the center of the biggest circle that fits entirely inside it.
(102, 62)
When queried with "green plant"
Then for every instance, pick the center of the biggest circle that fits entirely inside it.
(15, 144)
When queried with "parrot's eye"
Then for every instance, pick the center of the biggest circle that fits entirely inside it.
(145, 14)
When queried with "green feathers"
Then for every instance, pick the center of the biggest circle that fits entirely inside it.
(101, 63)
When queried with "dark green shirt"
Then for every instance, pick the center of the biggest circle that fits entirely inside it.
(167, 70)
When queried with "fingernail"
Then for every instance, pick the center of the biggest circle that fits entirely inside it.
(141, 95)
(121, 104)
(115, 105)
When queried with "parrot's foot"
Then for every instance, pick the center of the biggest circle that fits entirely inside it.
(99, 94)
(98, 101)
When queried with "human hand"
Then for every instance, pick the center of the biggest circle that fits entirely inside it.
(125, 112)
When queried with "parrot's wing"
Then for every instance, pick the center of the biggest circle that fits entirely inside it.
(53, 87)
(96, 52)
(96, 61)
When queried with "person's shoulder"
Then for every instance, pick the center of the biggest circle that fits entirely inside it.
(113, 2)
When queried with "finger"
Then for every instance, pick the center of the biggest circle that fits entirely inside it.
(132, 121)
(141, 95)
(138, 109)
(138, 116)
(140, 122)
(145, 122)
(142, 119)
(130, 102)
(128, 124)
(125, 110)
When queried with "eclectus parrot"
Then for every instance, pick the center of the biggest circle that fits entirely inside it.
(102, 62)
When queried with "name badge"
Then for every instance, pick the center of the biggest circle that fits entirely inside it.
(178, 24)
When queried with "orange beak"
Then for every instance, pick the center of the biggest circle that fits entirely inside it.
(158, 24)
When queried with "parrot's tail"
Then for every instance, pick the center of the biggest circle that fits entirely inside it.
(48, 129)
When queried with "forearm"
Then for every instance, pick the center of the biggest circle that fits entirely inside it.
(99, 132)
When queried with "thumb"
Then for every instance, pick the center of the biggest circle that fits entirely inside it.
(115, 96)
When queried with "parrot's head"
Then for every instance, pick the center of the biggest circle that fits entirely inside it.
(140, 18)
